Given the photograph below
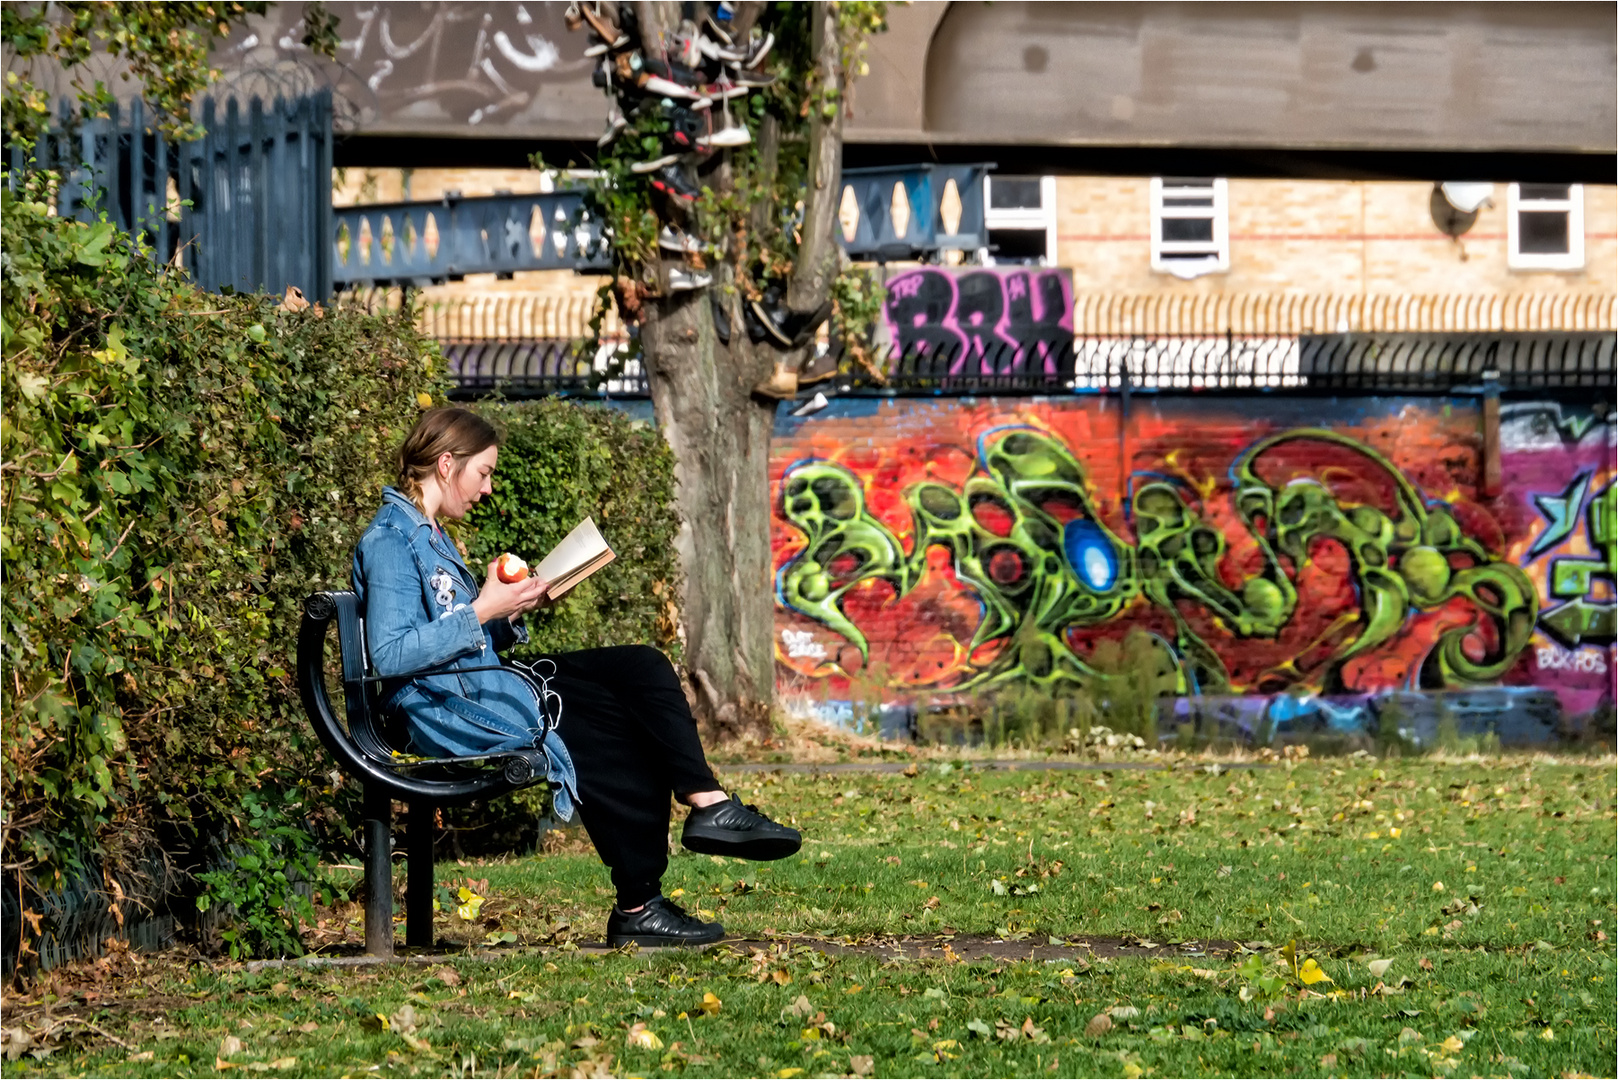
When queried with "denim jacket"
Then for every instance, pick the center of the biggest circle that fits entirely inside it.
(417, 596)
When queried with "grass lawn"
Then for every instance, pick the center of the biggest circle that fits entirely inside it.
(1418, 917)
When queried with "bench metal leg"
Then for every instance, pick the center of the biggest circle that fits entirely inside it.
(419, 882)
(378, 872)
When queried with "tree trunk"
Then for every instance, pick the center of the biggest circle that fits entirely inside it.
(720, 434)
(702, 392)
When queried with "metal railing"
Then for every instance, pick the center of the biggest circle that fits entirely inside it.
(246, 206)
(1227, 363)
(912, 212)
(1428, 362)
(542, 368)
(426, 243)
(887, 215)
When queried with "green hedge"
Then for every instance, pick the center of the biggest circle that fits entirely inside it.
(181, 470)
(560, 463)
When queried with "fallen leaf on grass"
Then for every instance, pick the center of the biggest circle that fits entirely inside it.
(801, 1006)
(284, 1063)
(1453, 1045)
(1311, 973)
(862, 1064)
(1099, 1024)
(641, 1036)
(448, 976)
(1379, 968)
(404, 1021)
(144, 1055)
(711, 1004)
(230, 1046)
(1124, 1012)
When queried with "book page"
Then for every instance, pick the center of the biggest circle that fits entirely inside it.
(581, 553)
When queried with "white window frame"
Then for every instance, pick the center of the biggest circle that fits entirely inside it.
(1217, 259)
(1573, 205)
(1031, 219)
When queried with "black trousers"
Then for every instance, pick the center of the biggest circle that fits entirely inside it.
(634, 742)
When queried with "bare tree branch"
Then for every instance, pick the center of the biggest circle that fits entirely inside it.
(818, 255)
(658, 18)
(746, 14)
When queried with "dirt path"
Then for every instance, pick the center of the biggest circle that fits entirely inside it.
(962, 947)
(989, 766)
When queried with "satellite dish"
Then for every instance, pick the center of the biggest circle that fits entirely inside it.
(1467, 196)
(1455, 205)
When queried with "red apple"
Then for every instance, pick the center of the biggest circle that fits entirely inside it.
(510, 568)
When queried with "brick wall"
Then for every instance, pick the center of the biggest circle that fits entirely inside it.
(1320, 236)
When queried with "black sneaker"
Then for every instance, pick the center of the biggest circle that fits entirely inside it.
(672, 181)
(730, 828)
(661, 922)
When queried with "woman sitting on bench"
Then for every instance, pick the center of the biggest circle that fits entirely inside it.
(627, 737)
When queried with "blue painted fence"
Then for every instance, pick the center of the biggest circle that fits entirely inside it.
(247, 207)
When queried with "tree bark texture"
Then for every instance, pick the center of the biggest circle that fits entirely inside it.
(720, 435)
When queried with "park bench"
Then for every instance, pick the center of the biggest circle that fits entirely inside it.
(367, 746)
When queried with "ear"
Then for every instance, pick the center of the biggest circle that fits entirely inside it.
(446, 465)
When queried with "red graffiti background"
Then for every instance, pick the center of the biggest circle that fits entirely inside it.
(921, 640)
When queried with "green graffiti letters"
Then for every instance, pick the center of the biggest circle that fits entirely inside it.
(1024, 535)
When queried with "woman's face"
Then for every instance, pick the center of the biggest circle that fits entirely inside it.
(462, 490)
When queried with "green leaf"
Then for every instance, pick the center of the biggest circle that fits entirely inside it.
(32, 385)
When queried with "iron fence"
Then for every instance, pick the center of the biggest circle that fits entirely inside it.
(542, 368)
(1386, 363)
(246, 207)
(1418, 362)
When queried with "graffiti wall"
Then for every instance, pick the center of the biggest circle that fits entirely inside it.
(1006, 320)
(1331, 551)
(1558, 467)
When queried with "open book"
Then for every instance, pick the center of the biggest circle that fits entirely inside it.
(581, 553)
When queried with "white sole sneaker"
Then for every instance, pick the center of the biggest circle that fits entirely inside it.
(727, 137)
(687, 280)
(669, 240)
(655, 164)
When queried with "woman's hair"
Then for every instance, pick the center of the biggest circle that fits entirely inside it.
(439, 432)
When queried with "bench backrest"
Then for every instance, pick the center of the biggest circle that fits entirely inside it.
(360, 744)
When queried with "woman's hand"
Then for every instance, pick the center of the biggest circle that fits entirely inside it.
(500, 600)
